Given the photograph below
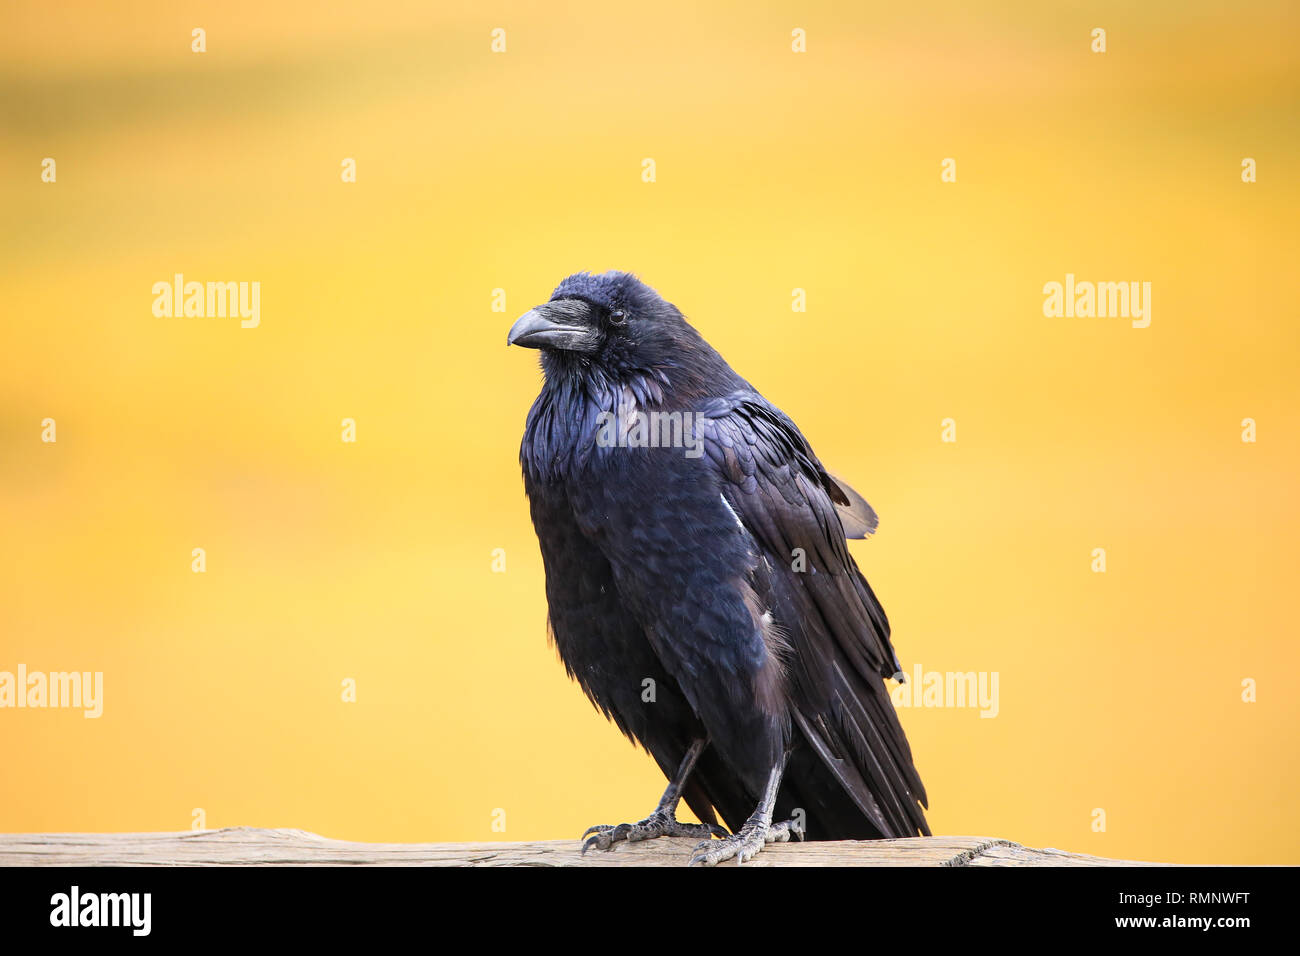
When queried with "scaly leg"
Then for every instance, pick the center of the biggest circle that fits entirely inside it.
(758, 831)
(663, 822)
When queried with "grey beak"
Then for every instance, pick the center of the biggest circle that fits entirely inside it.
(562, 324)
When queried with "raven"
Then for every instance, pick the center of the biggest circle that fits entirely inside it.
(699, 584)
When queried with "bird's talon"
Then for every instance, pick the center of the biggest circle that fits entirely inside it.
(660, 823)
(741, 846)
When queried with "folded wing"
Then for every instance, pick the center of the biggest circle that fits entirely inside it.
(837, 632)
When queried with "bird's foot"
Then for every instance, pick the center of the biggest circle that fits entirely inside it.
(660, 823)
(745, 843)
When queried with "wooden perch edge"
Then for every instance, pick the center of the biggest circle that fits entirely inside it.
(249, 846)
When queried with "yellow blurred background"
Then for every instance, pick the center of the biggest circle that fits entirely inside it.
(372, 561)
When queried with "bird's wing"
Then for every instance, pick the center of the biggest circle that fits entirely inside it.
(837, 631)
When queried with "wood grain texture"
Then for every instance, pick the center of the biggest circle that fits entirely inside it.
(248, 846)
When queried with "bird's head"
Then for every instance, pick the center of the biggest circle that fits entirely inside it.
(611, 321)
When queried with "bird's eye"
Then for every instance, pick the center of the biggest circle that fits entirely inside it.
(618, 317)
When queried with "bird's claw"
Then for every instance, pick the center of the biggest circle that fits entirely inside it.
(745, 844)
(660, 823)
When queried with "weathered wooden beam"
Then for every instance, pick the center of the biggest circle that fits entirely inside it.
(248, 846)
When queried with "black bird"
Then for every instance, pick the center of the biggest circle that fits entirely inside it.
(700, 587)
